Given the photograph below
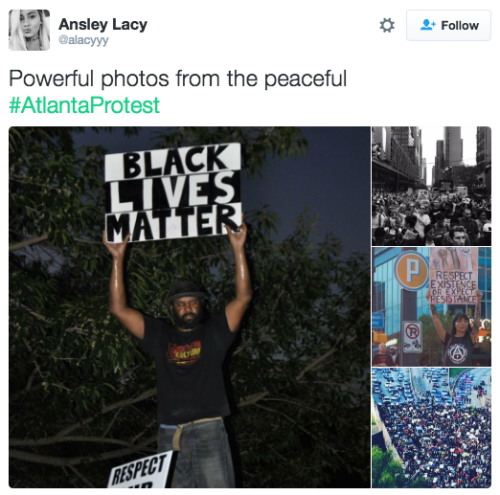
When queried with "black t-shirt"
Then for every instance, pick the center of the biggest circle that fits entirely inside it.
(380, 358)
(189, 377)
(459, 352)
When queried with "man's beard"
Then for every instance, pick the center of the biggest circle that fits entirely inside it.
(184, 323)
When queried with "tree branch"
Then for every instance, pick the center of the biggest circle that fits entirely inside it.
(28, 242)
(288, 418)
(326, 355)
(294, 402)
(299, 426)
(104, 410)
(85, 480)
(112, 422)
(254, 398)
(52, 440)
(74, 461)
(139, 435)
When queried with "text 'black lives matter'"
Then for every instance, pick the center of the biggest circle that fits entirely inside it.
(173, 193)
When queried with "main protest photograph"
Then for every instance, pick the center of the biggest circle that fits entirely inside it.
(188, 307)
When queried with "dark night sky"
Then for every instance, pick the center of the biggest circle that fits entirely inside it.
(333, 178)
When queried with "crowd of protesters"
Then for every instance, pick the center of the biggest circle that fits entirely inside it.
(430, 219)
(449, 446)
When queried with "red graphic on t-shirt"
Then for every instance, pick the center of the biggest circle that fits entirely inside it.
(184, 354)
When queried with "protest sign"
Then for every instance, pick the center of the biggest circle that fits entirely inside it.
(173, 193)
(423, 194)
(453, 275)
(148, 472)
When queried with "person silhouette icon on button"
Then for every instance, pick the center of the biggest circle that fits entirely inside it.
(426, 26)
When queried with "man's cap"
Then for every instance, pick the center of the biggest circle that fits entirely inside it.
(487, 227)
(184, 288)
(392, 347)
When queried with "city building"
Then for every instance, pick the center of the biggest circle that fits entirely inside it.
(386, 295)
(396, 153)
(453, 147)
(462, 176)
(483, 159)
(423, 170)
(439, 160)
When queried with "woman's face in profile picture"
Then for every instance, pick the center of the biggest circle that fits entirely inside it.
(30, 22)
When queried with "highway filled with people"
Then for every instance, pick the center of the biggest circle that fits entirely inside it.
(439, 425)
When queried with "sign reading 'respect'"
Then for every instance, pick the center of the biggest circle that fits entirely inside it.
(148, 472)
(168, 194)
(453, 278)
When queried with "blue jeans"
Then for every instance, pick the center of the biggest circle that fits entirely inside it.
(204, 460)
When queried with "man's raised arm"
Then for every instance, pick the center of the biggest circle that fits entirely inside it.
(132, 319)
(237, 307)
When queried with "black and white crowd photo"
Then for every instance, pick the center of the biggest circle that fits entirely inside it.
(431, 186)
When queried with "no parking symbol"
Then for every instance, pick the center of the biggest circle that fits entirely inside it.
(412, 337)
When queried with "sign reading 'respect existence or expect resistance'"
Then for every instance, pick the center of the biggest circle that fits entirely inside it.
(453, 278)
(173, 193)
(148, 472)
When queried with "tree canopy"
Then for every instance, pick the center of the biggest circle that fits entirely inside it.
(388, 472)
(82, 392)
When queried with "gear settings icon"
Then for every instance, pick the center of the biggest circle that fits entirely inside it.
(387, 25)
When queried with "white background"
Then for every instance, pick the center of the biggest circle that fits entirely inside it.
(390, 81)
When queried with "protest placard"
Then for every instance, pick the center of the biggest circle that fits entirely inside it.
(453, 275)
(423, 194)
(173, 193)
(148, 472)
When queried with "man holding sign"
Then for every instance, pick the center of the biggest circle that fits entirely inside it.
(189, 356)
